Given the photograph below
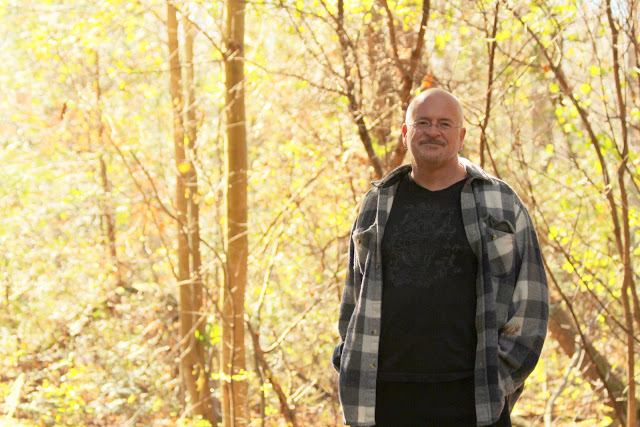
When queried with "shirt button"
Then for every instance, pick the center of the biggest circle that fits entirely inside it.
(373, 366)
(358, 240)
(374, 332)
(494, 237)
(377, 266)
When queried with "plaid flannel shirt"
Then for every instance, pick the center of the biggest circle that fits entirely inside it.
(511, 287)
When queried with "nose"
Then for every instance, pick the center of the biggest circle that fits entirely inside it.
(433, 130)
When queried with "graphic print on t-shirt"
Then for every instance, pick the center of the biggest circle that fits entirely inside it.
(423, 243)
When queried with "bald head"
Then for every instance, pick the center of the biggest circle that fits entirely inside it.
(436, 95)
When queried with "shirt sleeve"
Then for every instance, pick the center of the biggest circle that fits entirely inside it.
(522, 337)
(347, 304)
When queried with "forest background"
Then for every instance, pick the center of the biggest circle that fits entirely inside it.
(179, 180)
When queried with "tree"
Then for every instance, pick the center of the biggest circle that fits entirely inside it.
(234, 386)
(192, 364)
(91, 199)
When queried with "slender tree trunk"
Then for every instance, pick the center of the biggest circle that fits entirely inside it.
(234, 386)
(199, 318)
(350, 91)
(628, 285)
(184, 283)
(407, 72)
(107, 208)
(595, 366)
(288, 413)
(491, 47)
(194, 377)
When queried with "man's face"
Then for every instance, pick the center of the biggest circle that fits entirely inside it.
(434, 147)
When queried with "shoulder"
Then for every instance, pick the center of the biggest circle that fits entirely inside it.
(492, 192)
(382, 189)
(369, 201)
(368, 209)
(379, 198)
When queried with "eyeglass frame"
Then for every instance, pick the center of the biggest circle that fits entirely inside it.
(429, 125)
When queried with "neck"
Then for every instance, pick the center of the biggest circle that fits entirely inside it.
(436, 178)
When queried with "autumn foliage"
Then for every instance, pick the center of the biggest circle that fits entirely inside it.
(115, 180)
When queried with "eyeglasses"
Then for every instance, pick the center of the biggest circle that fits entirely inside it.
(425, 125)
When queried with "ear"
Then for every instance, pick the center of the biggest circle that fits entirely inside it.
(463, 132)
(404, 135)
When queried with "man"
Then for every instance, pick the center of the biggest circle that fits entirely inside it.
(445, 305)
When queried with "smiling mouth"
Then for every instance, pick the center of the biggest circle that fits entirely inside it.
(432, 142)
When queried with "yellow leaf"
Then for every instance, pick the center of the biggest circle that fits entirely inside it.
(585, 88)
(503, 35)
(184, 167)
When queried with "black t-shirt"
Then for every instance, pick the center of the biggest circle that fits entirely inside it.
(428, 330)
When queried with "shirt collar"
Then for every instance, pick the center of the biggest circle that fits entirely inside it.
(474, 171)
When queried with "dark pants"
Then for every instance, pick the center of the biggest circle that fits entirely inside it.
(426, 405)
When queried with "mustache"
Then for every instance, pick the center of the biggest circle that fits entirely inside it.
(430, 140)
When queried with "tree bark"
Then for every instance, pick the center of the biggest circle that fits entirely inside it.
(491, 47)
(407, 73)
(628, 285)
(234, 384)
(194, 376)
(199, 318)
(350, 90)
(564, 331)
(287, 411)
(107, 207)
